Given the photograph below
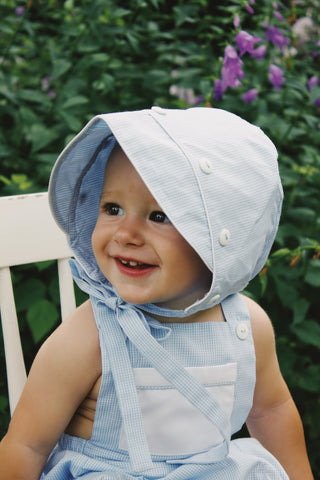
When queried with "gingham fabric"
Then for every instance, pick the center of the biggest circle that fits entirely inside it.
(216, 178)
(192, 345)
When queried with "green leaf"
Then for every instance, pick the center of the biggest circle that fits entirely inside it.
(309, 380)
(42, 317)
(7, 94)
(72, 121)
(21, 180)
(183, 14)
(133, 40)
(286, 292)
(5, 180)
(100, 58)
(308, 332)
(28, 293)
(313, 273)
(54, 290)
(300, 308)
(34, 96)
(302, 214)
(105, 83)
(282, 252)
(3, 403)
(314, 94)
(41, 136)
(264, 283)
(44, 265)
(60, 66)
(75, 101)
(47, 158)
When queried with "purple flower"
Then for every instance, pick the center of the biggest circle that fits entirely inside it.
(313, 81)
(276, 76)
(52, 94)
(278, 16)
(19, 11)
(250, 95)
(45, 82)
(231, 70)
(236, 21)
(315, 54)
(317, 102)
(186, 94)
(276, 37)
(259, 52)
(246, 42)
(249, 9)
(199, 99)
(217, 90)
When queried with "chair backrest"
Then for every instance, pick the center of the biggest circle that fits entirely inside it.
(28, 234)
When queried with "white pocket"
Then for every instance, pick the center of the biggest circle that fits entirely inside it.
(174, 426)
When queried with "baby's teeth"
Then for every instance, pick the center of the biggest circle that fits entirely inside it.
(132, 263)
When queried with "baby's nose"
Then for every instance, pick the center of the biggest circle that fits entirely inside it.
(130, 232)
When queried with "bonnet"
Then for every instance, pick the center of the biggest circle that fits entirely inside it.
(216, 178)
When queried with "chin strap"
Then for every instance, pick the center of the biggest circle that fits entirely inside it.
(127, 321)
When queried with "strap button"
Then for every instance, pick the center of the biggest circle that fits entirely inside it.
(242, 331)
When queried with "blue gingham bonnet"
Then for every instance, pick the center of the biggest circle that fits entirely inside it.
(214, 175)
(216, 178)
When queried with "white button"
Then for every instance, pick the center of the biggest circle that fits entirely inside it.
(158, 110)
(205, 165)
(213, 299)
(224, 238)
(242, 331)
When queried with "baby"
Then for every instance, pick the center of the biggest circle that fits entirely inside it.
(170, 213)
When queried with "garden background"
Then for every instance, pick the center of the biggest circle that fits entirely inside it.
(62, 62)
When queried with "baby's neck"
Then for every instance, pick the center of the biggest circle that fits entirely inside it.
(214, 314)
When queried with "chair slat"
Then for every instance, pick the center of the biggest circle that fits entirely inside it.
(67, 299)
(16, 372)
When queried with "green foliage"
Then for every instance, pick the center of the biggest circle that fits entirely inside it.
(64, 61)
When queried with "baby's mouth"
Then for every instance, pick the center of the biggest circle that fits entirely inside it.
(133, 264)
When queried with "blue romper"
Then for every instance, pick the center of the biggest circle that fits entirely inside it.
(183, 443)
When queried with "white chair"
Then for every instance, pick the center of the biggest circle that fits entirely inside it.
(28, 234)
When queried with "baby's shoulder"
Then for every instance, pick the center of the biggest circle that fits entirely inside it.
(262, 331)
(260, 321)
(80, 324)
(76, 338)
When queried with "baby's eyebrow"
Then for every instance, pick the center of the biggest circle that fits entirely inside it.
(109, 193)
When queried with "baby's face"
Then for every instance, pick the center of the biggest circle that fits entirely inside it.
(137, 248)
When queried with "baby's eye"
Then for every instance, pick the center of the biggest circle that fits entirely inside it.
(113, 209)
(159, 217)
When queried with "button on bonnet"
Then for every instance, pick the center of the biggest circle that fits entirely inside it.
(205, 165)
(158, 110)
(224, 237)
(213, 299)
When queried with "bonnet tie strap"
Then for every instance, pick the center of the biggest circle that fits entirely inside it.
(126, 321)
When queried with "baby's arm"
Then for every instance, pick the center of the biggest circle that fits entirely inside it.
(274, 419)
(63, 373)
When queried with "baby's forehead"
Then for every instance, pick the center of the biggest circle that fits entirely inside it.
(120, 176)
(118, 161)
